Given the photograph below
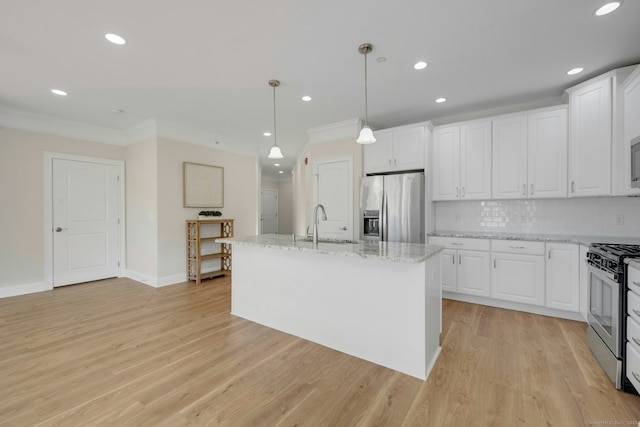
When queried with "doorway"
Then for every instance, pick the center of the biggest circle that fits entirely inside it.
(84, 219)
(269, 215)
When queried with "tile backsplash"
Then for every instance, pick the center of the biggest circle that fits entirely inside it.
(597, 216)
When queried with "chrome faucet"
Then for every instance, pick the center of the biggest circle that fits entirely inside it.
(315, 221)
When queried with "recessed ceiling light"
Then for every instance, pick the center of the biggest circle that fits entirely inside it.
(59, 92)
(441, 100)
(306, 98)
(115, 39)
(267, 134)
(381, 59)
(117, 111)
(420, 65)
(576, 70)
(277, 164)
(280, 172)
(608, 8)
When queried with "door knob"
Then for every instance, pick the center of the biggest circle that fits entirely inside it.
(59, 229)
(343, 228)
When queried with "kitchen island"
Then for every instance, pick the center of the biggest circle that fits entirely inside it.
(377, 301)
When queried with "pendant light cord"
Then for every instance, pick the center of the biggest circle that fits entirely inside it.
(275, 132)
(366, 100)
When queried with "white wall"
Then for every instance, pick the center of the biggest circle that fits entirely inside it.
(142, 210)
(240, 199)
(303, 202)
(575, 217)
(22, 195)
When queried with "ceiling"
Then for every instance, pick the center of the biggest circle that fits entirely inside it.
(204, 65)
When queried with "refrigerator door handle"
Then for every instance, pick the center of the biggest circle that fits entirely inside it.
(383, 219)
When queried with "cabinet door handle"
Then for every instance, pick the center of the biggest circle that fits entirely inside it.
(395, 162)
(573, 186)
(456, 244)
(532, 189)
(463, 192)
(459, 259)
(457, 192)
(549, 253)
(389, 162)
(453, 260)
(524, 189)
(516, 247)
(494, 263)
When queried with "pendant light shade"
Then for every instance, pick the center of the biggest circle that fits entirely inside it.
(366, 134)
(275, 152)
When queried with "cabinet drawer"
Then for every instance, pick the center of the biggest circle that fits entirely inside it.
(633, 366)
(518, 247)
(633, 332)
(461, 243)
(633, 306)
(633, 279)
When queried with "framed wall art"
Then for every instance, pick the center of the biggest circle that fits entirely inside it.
(203, 185)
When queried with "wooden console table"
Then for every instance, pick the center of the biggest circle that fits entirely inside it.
(201, 241)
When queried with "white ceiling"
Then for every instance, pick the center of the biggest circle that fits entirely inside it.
(205, 64)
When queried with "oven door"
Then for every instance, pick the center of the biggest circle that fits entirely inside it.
(604, 309)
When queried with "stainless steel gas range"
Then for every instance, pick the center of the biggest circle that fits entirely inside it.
(608, 307)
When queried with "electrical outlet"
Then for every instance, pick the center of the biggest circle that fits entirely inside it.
(619, 219)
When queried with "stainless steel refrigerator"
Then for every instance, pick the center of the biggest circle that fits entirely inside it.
(392, 208)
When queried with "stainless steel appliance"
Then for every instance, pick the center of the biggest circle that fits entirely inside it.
(607, 307)
(635, 162)
(392, 207)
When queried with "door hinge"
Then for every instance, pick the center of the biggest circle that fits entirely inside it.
(118, 178)
(118, 263)
(118, 221)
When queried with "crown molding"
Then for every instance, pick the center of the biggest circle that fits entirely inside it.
(41, 123)
(335, 131)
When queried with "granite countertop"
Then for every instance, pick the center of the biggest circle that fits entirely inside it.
(386, 251)
(583, 240)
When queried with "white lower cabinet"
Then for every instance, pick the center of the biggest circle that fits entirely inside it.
(526, 272)
(518, 278)
(563, 276)
(465, 271)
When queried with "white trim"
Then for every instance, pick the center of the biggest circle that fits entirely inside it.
(335, 131)
(34, 122)
(156, 282)
(513, 306)
(12, 291)
(49, 156)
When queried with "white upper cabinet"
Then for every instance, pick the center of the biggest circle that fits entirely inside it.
(530, 155)
(396, 149)
(462, 162)
(590, 139)
(510, 157)
(475, 161)
(547, 153)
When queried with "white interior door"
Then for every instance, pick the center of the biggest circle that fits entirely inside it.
(334, 190)
(269, 218)
(86, 223)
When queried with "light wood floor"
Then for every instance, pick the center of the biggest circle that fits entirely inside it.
(117, 352)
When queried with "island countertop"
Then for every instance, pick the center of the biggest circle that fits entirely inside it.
(386, 251)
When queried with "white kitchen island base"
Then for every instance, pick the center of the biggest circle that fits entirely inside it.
(387, 312)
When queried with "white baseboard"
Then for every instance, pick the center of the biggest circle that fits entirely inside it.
(514, 306)
(12, 291)
(156, 282)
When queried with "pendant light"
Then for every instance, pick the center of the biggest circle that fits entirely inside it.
(275, 152)
(366, 134)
